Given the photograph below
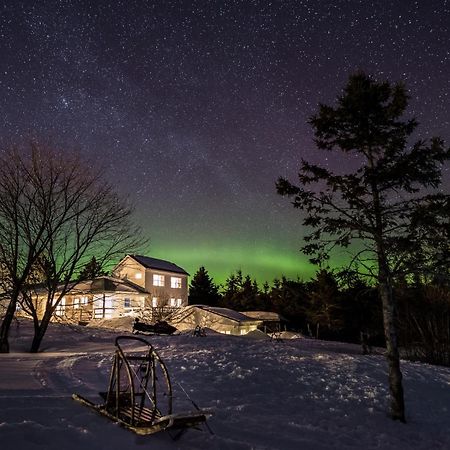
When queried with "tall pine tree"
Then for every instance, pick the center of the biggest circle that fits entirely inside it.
(202, 290)
(376, 203)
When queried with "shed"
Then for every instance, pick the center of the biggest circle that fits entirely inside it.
(222, 320)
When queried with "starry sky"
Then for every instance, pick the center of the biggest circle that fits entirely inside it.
(195, 108)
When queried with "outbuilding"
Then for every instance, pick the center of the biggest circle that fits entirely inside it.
(222, 320)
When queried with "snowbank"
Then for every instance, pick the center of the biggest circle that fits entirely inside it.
(124, 323)
(298, 394)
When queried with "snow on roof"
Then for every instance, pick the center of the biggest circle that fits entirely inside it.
(264, 315)
(224, 312)
(228, 313)
(106, 284)
(159, 264)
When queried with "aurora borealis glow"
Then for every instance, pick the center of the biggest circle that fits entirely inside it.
(194, 108)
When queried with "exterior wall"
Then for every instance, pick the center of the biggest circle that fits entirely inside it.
(82, 308)
(166, 292)
(129, 269)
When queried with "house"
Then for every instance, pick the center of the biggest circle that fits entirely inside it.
(101, 298)
(139, 285)
(223, 320)
(165, 282)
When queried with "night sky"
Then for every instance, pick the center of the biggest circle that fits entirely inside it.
(194, 108)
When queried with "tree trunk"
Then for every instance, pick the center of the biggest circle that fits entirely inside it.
(39, 332)
(397, 404)
(6, 324)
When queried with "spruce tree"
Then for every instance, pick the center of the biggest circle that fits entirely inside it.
(202, 290)
(91, 270)
(379, 203)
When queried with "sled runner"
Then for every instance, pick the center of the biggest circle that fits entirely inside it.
(139, 395)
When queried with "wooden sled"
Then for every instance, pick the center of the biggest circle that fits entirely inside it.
(139, 395)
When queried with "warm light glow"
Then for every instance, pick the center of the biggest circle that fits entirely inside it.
(138, 275)
(158, 280)
(61, 307)
(175, 282)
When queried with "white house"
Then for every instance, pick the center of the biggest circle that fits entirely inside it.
(139, 285)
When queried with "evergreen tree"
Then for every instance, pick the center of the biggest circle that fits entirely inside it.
(289, 298)
(379, 202)
(362, 311)
(233, 284)
(202, 290)
(91, 270)
(242, 293)
(324, 308)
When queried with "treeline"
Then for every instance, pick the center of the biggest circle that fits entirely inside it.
(323, 307)
(333, 307)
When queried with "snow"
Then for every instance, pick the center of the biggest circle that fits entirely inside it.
(265, 394)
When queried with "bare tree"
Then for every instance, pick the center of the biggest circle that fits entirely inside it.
(73, 214)
(22, 231)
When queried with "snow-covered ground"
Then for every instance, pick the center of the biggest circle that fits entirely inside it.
(296, 394)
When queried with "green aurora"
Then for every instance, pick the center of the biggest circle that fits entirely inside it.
(262, 263)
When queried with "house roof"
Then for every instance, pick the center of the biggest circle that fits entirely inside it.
(158, 264)
(224, 312)
(106, 284)
(265, 315)
(228, 313)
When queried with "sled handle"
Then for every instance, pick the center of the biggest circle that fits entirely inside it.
(131, 338)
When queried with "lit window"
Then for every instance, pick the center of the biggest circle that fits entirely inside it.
(158, 280)
(84, 300)
(155, 302)
(61, 307)
(76, 303)
(243, 331)
(138, 275)
(175, 282)
(172, 302)
(127, 303)
(179, 302)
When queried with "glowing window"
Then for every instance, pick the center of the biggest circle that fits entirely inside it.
(175, 282)
(61, 307)
(76, 303)
(179, 302)
(158, 280)
(173, 302)
(84, 300)
(155, 302)
(138, 275)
